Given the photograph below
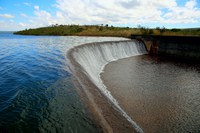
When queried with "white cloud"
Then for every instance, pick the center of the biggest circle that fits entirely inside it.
(127, 11)
(27, 3)
(6, 16)
(23, 15)
(191, 4)
(11, 25)
(115, 12)
(186, 14)
(22, 24)
(11, 20)
(43, 18)
(36, 7)
(31, 21)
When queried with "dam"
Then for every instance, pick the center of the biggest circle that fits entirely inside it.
(112, 95)
(185, 47)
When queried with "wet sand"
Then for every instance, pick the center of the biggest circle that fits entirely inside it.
(160, 96)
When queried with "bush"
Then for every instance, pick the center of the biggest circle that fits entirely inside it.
(175, 30)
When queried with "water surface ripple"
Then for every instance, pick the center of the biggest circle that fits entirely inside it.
(36, 89)
(162, 95)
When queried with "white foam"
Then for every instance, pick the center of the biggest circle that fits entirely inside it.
(94, 57)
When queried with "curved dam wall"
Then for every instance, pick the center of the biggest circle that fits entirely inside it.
(187, 47)
(92, 58)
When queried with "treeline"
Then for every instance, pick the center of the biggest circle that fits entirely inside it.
(165, 31)
(105, 30)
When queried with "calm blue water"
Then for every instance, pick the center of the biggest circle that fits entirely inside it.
(36, 89)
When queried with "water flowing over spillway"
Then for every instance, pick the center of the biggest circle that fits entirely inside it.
(94, 56)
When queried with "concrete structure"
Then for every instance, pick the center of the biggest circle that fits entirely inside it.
(176, 46)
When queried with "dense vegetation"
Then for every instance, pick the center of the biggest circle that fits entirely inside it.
(105, 30)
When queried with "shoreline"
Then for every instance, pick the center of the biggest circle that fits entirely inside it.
(106, 30)
(74, 35)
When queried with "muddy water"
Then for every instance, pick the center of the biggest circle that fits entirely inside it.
(160, 95)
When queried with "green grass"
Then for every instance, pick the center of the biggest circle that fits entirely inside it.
(100, 30)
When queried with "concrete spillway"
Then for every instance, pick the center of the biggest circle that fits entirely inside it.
(92, 58)
(185, 47)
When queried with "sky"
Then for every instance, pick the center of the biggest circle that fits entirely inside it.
(24, 14)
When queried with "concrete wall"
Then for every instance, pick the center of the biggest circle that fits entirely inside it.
(177, 46)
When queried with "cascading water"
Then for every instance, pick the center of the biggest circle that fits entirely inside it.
(94, 56)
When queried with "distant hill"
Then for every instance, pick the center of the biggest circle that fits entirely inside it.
(105, 30)
(192, 28)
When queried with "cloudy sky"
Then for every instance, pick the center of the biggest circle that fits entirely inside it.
(22, 14)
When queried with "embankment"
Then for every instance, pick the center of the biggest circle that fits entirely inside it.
(87, 62)
(187, 47)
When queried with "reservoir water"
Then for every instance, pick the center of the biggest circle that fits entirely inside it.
(161, 95)
(37, 92)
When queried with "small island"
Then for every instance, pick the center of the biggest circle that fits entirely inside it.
(106, 30)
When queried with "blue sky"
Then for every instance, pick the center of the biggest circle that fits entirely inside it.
(25, 14)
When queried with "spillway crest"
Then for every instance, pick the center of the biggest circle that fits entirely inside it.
(94, 56)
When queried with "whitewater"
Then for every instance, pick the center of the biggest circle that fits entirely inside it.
(93, 57)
